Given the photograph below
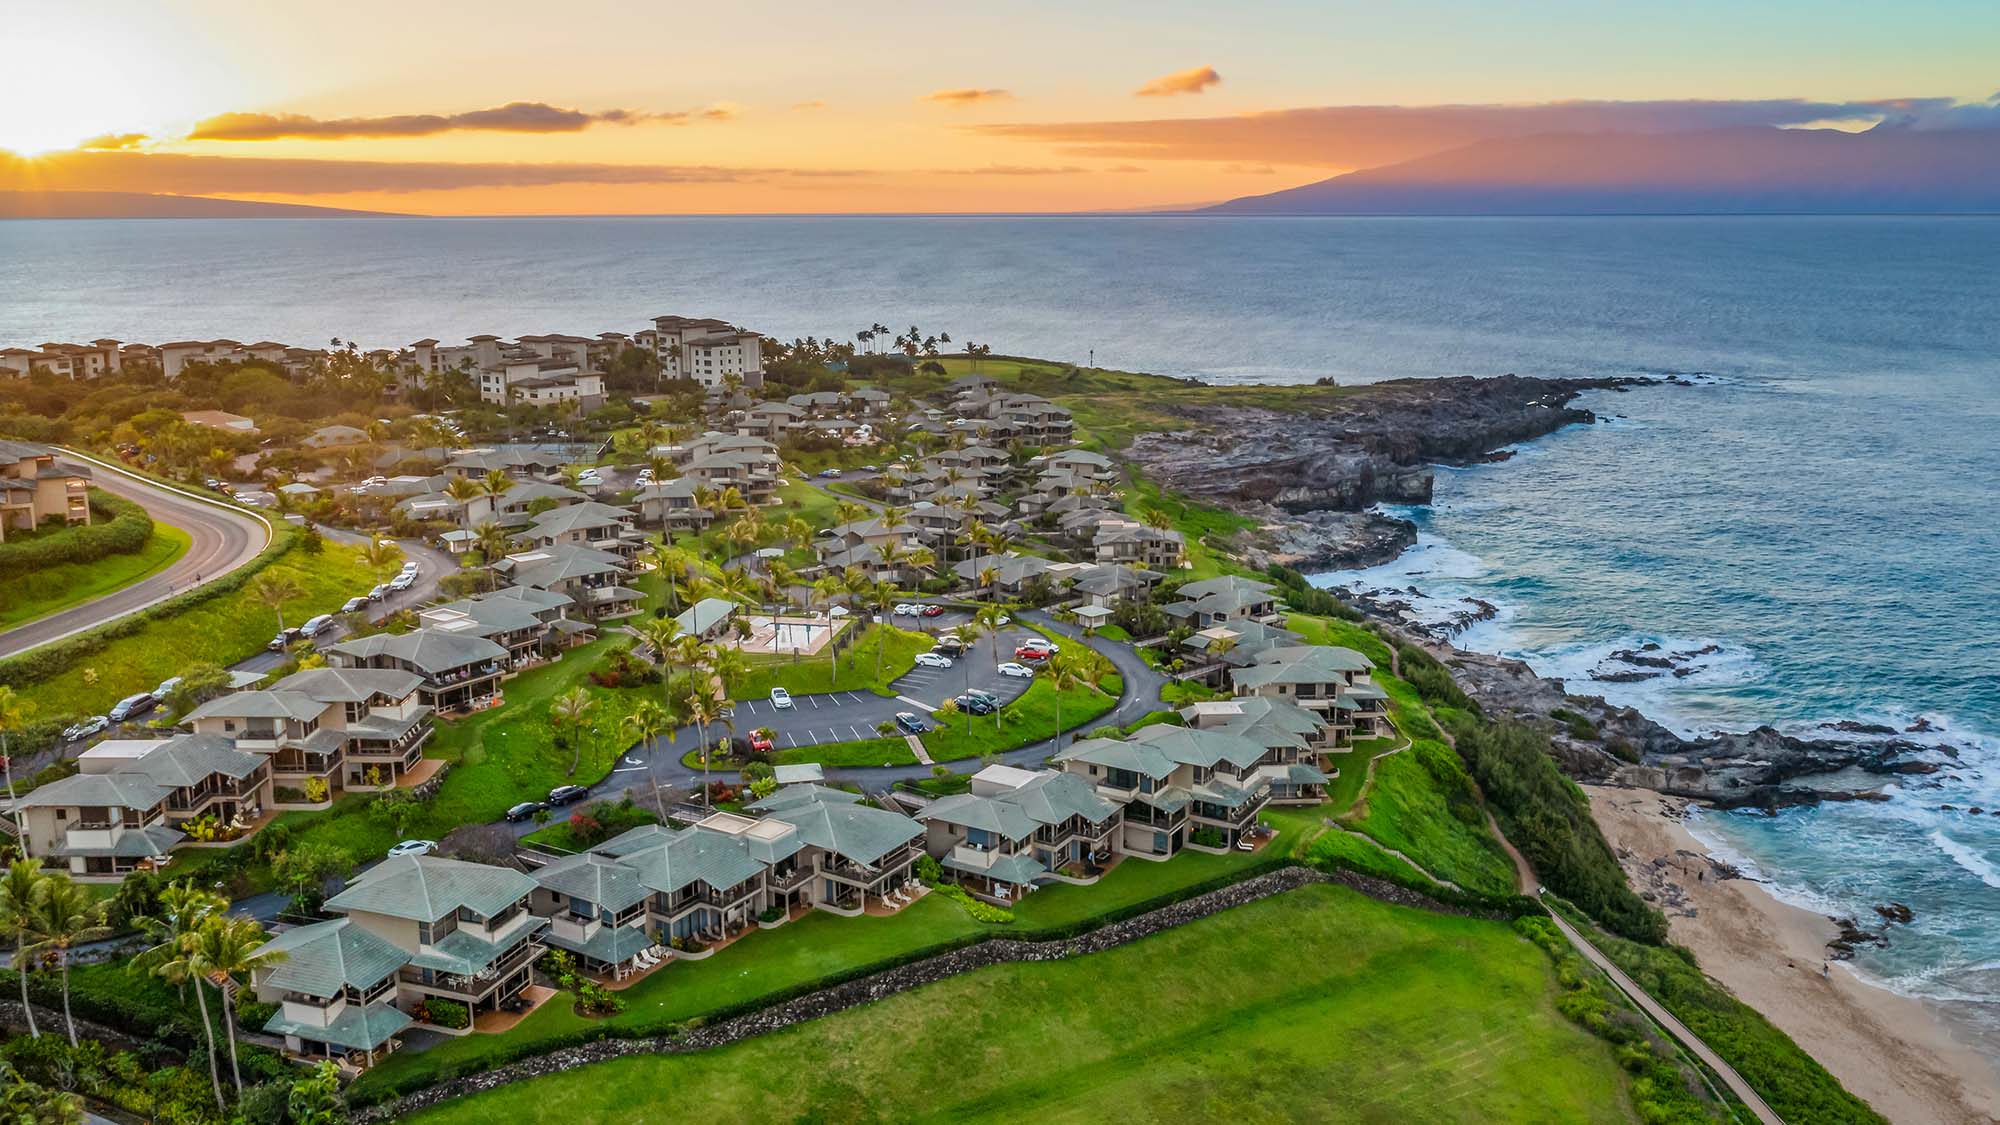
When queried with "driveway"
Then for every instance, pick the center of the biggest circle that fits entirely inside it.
(432, 566)
(222, 538)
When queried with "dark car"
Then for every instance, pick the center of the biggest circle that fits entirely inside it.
(524, 810)
(976, 704)
(950, 646)
(565, 794)
(283, 640)
(908, 723)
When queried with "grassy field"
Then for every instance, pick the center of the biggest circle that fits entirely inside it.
(29, 596)
(1028, 719)
(1368, 1012)
(221, 629)
(1195, 520)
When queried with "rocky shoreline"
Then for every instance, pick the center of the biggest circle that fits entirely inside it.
(1310, 475)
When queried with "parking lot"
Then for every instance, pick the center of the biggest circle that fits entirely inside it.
(847, 716)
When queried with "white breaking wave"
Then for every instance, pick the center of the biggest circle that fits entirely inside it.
(1968, 859)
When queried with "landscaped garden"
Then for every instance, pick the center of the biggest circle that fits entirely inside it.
(52, 589)
(1316, 1004)
(854, 670)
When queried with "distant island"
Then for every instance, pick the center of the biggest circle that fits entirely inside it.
(1747, 171)
(139, 205)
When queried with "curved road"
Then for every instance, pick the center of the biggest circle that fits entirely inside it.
(222, 538)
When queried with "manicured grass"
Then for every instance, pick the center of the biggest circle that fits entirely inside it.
(887, 751)
(856, 669)
(29, 596)
(1196, 521)
(1352, 765)
(221, 630)
(1031, 718)
(1318, 1004)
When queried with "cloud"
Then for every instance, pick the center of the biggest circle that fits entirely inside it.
(1012, 170)
(1360, 136)
(514, 117)
(967, 96)
(113, 142)
(1125, 168)
(1193, 80)
(184, 174)
(1928, 114)
(806, 107)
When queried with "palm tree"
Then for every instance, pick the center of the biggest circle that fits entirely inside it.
(569, 713)
(647, 722)
(380, 553)
(493, 542)
(178, 912)
(63, 916)
(883, 595)
(13, 716)
(702, 710)
(20, 889)
(182, 966)
(273, 590)
(1061, 674)
(225, 948)
(672, 564)
(496, 483)
(847, 511)
(1158, 519)
(464, 490)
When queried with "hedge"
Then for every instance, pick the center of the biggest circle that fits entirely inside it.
(117, 527)
(54, 659)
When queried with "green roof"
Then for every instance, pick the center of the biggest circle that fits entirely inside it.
(359, 1028)
(463, 953)
(325, 957)
(852, 831)
(600, 880)
(1054, 797)
(1204, 748)
(1020, 868)
(1114, 754)
(425, 888)
(610, 944)
(990, 814)
(790, 795)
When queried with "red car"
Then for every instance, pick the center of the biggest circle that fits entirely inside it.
(1035, 650)
(760, 741)
(933, 611)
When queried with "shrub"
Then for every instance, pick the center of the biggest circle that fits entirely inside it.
(981, 910)
(118, 527)
(446, 1013)
(1207, 837)
(1431, 679)
(929, 871)
(1580, 727)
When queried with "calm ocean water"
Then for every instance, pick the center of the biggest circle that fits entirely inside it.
(1823, 510)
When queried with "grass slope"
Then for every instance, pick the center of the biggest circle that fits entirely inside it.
(1372, 1013)
(27, 597)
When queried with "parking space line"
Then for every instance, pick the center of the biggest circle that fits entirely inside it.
(857, 732)
(815, 736)
(791, 741)
(815, 701)
(916, 703)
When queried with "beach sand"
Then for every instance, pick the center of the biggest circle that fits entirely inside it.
(1891, 1050)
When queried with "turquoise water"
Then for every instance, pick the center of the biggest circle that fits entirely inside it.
(1821, 509)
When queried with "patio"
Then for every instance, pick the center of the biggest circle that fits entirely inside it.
(786, 636)
(498, 1021)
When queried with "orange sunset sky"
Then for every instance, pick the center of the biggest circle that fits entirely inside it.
(591, 107)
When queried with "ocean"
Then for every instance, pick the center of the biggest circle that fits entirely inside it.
(1818, 514)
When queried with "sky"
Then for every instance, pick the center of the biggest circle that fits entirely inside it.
(507, 107)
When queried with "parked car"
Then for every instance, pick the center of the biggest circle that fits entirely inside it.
(933, 660)
(93, 725)
(167, 687)
(401, 583)
(353, 604)
(524, 810)
(908, 723)
(408, 567)
(760, 741)
(781, 699)
(413, 847)
(567, 794)
(1035, 650)
(212, 485)
(314, 626)
(933, 611)
(949, 646)
(905, 609)
(973, 704)
(283, 640)
(379, 592)
(829, 472)
(1019, 671)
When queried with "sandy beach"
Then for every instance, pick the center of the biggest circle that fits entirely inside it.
(1892, 1050)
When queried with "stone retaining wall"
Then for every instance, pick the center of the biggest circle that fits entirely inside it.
(993, 951)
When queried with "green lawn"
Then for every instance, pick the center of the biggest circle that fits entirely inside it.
(26, 597)
(856, 667)
(1315, 1005)
(1031, 718)
(221, 629)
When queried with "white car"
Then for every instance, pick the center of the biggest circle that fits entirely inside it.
(905, 609)
(402, 582)
(413, 847)
(1019, 671)
(86, 728)
(933, 660)
(781, 699)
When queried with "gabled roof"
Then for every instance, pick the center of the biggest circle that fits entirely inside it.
(350, 685)
(580, 517)
(122, 790)
(1199, 747)
(1301, 664)
(432, 650)
(852, 831)
(269, 704)
(706, 614)
(1229, 583)
(425, 888)
(325, 957)
(191, 759)
(602, 880)
(989, 814)
(1054, 796)
(790, 795)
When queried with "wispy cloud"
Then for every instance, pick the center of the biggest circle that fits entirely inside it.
(808, 106)
(1012, 170)
(186, 174)
(1193, 80)
(967, 96)
(1364, 136)
(114, 142)
(514, 117)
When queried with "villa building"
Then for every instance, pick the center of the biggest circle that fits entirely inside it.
(705, 350)
(35, 487)
(454, 672)
(1174, 782)
(342, 725)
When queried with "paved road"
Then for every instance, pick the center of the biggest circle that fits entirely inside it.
(432, 566)
(222, 536)
(1140, 697)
